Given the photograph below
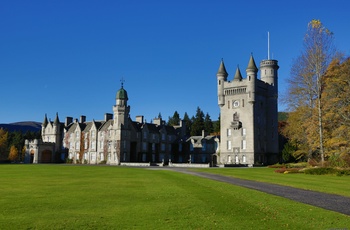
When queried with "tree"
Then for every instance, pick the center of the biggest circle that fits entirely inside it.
(198, 123)
(305, 85)
(208, 124)
(3, 143)
(187, 121)
(216, 126)
(13, 155)
(337, 107)
(175, 119)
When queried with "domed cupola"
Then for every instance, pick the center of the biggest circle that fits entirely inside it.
(122, 94)
(122, 97)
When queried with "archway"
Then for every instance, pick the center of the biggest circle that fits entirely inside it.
(46, 156)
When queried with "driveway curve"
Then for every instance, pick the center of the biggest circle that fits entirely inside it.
(327, 201)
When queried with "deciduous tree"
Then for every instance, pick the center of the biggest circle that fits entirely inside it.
(13, 155)
(305, 84)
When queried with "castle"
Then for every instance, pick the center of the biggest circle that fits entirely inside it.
(248, 130)
(118, 140)
(248, 114)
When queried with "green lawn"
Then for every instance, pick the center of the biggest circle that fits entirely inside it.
(105, 197)
(323, 183)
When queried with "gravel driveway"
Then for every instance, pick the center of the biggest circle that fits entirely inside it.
(331, 202)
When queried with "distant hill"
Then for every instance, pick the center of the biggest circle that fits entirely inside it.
(23, 126)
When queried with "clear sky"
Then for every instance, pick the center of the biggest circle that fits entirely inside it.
(70, 56)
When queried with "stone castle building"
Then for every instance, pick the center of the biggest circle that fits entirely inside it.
(248, 130)
(117, 140)
(248, 114)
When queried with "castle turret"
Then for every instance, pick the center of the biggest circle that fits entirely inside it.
(121, 109)
(222, 77)
(252, 71)
(268, 72)
(43, 125)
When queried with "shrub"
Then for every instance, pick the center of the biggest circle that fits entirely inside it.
(321, 171)
(288, 170)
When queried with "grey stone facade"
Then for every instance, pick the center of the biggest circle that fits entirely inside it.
(117, 140)
(248, 110)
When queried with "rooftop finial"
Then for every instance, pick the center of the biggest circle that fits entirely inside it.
(122, 82)
(268, 45)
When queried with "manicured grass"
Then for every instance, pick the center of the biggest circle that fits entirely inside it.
(323, 183)
(104, 197)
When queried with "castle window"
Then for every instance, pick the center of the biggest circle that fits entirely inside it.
(153, 146)
(242, 102)
(244, 159)
(93, 133)
(93, 145)
(145, 134)
(180, 147)
(85, 145)
(144, 146)
(77, 134)
(228, 132)
(162, 147)
(163, 136)
(77, 145)
(244, 144)
(219, 82)
(101, 144)
(244, 132)
(228, 104)
(229, 146)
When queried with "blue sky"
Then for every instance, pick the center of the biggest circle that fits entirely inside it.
(69, 56)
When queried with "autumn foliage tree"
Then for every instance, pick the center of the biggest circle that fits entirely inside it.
(13, 155)
(336, 106)
(305, 89)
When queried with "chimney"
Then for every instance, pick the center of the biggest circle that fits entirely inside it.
(82, 119)
(157, 121)
(108, 116)
(68, 121)
(139, 119)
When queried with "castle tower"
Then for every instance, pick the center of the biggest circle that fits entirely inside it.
(248, 114)
(121, 109)
(121, 140)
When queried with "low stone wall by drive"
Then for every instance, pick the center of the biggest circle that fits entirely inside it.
(186, 165)
(137, 164)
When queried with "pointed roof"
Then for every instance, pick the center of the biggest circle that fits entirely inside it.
(45, 121)
(222, 69)
(57, 120)
(238, 75)
(251, 64)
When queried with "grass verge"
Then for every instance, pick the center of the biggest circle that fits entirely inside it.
(104, 197)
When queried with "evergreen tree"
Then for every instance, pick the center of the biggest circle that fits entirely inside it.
(216, 126)
(198, 123)
(175, 119)
(187, 121)
(208, 124)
